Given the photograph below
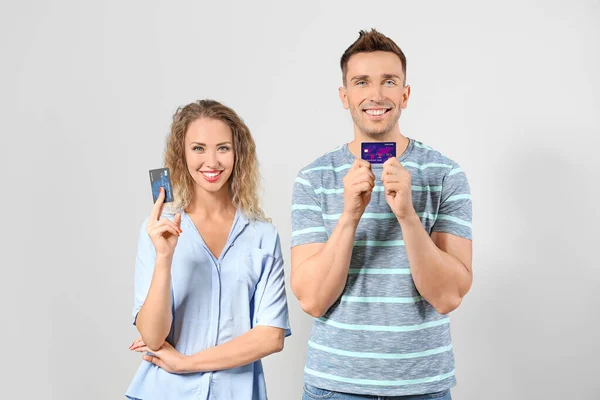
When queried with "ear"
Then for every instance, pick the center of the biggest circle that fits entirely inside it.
(405, 96)
(342, 91)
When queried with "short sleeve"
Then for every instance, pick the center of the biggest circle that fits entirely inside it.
(307, 216)
(455, 212)
(270, 300)
(144, 269)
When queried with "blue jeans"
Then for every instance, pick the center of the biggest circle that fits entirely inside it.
(314, 393)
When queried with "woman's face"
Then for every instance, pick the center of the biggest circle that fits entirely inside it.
(209, 153)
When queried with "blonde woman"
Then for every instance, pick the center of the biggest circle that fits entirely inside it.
(210, 299)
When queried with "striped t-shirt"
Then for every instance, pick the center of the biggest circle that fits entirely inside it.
(381, 337)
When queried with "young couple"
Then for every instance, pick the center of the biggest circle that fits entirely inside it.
(380, 255)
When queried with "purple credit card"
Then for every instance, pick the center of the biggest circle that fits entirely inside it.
(377, 152)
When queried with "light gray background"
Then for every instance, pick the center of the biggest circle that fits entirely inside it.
(87, 91)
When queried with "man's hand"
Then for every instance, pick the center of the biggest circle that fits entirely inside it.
(398, 190)
(358, 186)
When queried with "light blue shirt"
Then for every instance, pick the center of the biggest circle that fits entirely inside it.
(214, 300)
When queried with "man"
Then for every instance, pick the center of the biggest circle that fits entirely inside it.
(382, 252)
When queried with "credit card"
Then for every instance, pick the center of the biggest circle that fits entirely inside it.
(377, 152)
(161, 177)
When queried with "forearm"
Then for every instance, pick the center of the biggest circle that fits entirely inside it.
(155, 317)
(440, 278)
(254, 345)
(320, 279)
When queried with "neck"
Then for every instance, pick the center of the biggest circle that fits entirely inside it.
(393, 135)
(212, 205)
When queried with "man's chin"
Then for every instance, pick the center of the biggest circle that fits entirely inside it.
(377, 133)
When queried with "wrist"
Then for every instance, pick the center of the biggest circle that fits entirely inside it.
(164, 260)
(348, 220)
(193, 363)
(187, 364)
(408, 218)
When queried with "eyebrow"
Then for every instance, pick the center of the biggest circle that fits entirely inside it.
(204, 144)
(360, 78)
(366, 77)
(388, 76)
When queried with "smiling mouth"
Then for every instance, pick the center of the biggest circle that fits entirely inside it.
(376, 112)
(211, 176)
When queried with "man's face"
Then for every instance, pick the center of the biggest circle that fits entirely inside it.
(375, 92)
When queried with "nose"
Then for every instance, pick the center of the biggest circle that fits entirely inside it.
(376, 94)
(211, 160)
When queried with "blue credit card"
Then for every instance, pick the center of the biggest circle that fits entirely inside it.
(377, 152)
(161, 177)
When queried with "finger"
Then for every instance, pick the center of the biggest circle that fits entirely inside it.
(156, 361)
(136, 343)
(390, 169)
(391, 178)
(370, 174)
(391, 189)
(363, 187)
(142, 349)
(157, 207)
(165, 221)
(367, 178)
(389, 161)
(151, 359)
(160, 230)
(393, 161)
(394, 174)
(177, 220)
(363, 164)
(139, 338)
(363, 176)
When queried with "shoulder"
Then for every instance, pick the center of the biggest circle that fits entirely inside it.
(265, 236)
(427, 153)
(264, 229)
(424, 156)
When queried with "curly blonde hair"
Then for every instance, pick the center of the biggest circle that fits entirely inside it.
(244, 180)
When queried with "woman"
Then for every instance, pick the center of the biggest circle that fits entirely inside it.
(210, 298)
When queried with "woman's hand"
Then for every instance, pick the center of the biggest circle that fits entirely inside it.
(167, 357)
(162, 231)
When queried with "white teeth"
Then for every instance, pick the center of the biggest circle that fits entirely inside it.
(211, 174)
(375, 112)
